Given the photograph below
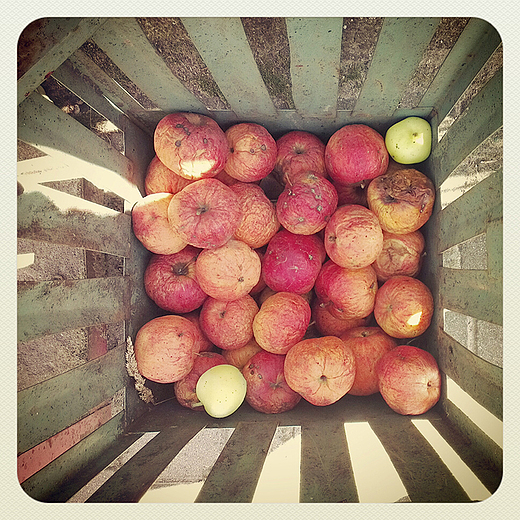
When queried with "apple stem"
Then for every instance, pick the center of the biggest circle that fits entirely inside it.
(196, 405)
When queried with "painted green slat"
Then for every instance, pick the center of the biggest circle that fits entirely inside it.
(223, 45)
(471, 292)
(482, 118)
(244, 454)
(53, 405)
(126, 45)
(54, 306)
(471, 51)
(315, 46)
(471, 213)
(66, 475)
(67, 34)
(133, 479)
(398, 52)
(326, 471)
(422, 472)
(495, 248)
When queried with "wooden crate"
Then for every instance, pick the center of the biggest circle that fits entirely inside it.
(90, 92)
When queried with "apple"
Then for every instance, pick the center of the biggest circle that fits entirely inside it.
(160, 179)
(292, 262)
(184, 389)
(221, 390)
(260, 222)
(202, 343)
(164, 348)
(402, 200)
(346, 293)
(191, 145)
(401, 255)
(230, 271)
(298, 152)
(171, 281)
(322, 370)
(409, 380)
(205, 213)
(267, 390)
(328, 325)
(252, 152)
(261, 285)
(368, 344)
(267, 292)
(355, 153)
(281, 322)
(353, 236)
(228, 324)
(307, 203)
(409, 141)
(240, 356)
(151, 226)
(404, 307)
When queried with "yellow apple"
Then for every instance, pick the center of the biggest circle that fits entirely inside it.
(409, 141)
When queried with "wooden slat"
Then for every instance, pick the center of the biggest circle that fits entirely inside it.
(49, 407)
(223, 45)
(398, 52)
(235, 474)
(495, 248)
(315, 46)
(132, 480)
(326, 471)
(422, 471)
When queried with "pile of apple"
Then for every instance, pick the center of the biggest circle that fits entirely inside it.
(286, 269)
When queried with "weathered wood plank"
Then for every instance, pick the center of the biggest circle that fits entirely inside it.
(244, 453)
(495, 248)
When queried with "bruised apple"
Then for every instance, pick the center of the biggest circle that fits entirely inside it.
(228, 324)
(401, 255)
(252, 152)
(409, 380)
(403, 307)
(292, 262)
(151, 226)
(368, 344)
(267, 390)
(164, 348)
(281, 322)
(260, 222)
(171, 281)
(205, 213)
(240, 356)
(402, 200)
(306, 204)
(160, 179)
(328, 325)
(322, 370)
(202, 343)
(355, 153)
(353, 236)
(191, 145)
(230, 271)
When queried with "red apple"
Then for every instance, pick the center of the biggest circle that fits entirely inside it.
(192, 145)
(401, 255)
(328, 325)
(368, 344)
(299, 151)
(205, 213)
(402, 200)
(267, 391)
(404, 307)
(171, 281)
(202, 343)
(228, 324)
(353, 237)
(252, 152)
(281, 322)
(292, 262)
(356, 153)
(164, 348)
(160, 179)
(240, 356)
(260, 222)
(185, 388)
(151, 226)
(347, 293)
(306, 204)
(409, 380)
(230, 271)
(321, 370)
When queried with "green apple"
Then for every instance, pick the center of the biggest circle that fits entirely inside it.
(221, 390)
(409, 141)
